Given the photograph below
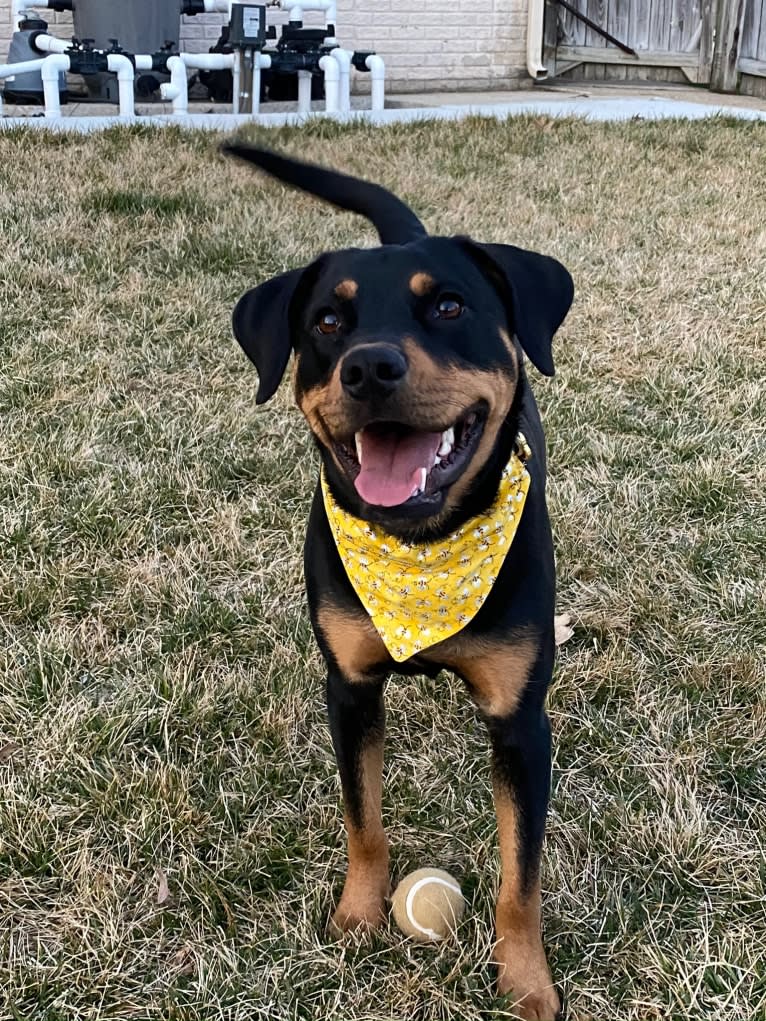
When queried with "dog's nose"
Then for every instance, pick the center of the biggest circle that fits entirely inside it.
(372, 370)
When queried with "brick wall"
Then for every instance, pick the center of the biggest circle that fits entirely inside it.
(469, 44)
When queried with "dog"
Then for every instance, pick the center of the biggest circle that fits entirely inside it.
(428, 545)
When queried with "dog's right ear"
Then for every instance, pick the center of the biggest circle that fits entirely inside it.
(261, 323)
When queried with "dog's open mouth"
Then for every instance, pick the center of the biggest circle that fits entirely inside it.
(391, 463)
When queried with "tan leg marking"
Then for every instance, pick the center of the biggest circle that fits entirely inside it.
(347, 289)
(353, 640)
(523, 972)
(421, 283)
(363, 904)
(497, 671)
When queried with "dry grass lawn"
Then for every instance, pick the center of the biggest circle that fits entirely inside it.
(170, 829)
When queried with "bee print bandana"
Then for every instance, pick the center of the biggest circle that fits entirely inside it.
(418, 594)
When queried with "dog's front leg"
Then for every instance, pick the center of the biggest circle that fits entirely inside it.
(521, 761)
(357, 724)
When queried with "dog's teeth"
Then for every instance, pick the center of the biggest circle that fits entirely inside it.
(437, 460)
(448, 441)
(358, 442)
(420, 485)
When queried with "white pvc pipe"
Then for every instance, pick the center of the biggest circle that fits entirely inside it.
(178, 87)
(208, 61)
(261, 61)
(377, 70)
(23, 67)
(236, 81)
(50, 70)
(535, 67)
(304, 92)
(331, 70)
(344, 86)
(143, 62)
(19, 6)
(120, 65)
(297, 7)
(11, 70)
(50, 44)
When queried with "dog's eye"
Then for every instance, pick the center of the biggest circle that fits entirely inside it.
(448, 308)
(327, 323)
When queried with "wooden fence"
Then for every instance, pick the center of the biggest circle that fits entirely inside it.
(704, 41)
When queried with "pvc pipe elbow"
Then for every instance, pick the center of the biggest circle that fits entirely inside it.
(344, 66)
(377, 69)
(178, 85)
(343, 57)
(53, 66)
(50, 70)
(121, 66)
(375, 65)
(329, 65)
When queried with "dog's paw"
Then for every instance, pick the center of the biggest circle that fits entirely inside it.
(528, 986)
(361, 909)
(535, 1006)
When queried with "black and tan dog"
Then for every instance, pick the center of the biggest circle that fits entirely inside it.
(409, 369)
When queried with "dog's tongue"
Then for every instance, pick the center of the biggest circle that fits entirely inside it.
(392, 464)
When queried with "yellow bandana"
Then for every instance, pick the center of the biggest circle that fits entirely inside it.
(418, 594)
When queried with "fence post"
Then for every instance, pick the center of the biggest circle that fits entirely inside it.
(728, 29)
(709, 14)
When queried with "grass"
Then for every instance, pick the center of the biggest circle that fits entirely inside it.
(170, 831)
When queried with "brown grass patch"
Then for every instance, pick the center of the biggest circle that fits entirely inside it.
(160, 693)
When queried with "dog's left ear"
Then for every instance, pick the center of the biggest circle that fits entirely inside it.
(537, 290)
(261, 324)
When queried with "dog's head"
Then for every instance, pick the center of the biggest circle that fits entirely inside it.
(407, 356)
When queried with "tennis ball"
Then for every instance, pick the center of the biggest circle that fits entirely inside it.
(428, 904)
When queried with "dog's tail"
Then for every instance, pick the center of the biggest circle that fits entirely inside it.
(395, 222)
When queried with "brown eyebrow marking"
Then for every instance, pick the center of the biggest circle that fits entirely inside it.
(347, 289)
(421, 283)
